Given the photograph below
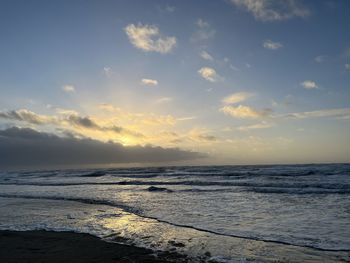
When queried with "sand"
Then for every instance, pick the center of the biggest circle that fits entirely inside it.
(66, 247)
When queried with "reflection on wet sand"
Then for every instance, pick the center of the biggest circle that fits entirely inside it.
(199, 244)
(116, 225)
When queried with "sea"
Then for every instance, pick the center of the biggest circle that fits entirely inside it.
(256, 213)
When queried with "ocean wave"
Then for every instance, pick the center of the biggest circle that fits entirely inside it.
(140, 214)
(297, 191)
(75, 199)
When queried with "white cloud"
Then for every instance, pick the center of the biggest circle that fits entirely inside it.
(273, 10)
(148, 38)
(347, 66)
(202, 24)
(309, 84)
(244, 112)
(269, 44)
(107, 71)
(68, 88)
(149, 82)
(209, 74)
(274, 103)
(320, 59)
(205, 55)
(164, 100)
(236, 97)
(204, 31)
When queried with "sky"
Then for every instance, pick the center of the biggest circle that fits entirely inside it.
(174, 82)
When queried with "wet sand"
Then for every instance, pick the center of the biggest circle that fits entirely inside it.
(66, 247)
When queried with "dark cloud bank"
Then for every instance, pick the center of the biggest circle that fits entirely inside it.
(21, 147)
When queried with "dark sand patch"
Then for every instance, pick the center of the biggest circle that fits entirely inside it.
(67, 247)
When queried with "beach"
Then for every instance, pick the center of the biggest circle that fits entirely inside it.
(49, 246)
(294, 213)
(175, 131)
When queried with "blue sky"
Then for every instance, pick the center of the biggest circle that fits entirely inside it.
(164, 68)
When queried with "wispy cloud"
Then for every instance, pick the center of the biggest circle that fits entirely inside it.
(164, 100)
(338, 113)
(149, 82)
(273, 10)
(86, 122)
(347, 66)
(200, 135)
(204, 31)
(195, 135)
(269, 44)
(262, 125)
(26, 116)
(107, 107)
(187, 118)
(237, 97)
(209, 74)
(309, 84)
(148, 38)
(205, 55)
(166, 9)
(68, 119)
(243, 112)
(68, 88)
(82, 122)
(140, 118)
(161, 120)
(346, 52)
(234, 68)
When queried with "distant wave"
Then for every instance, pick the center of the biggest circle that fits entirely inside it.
(94, 174)
(263, 187)
(305, 191)
(267, 171)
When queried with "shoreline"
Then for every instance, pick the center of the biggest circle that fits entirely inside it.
(50, 246)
